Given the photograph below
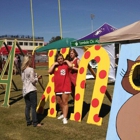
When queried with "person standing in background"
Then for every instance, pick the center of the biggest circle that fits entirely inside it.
(73, 58)
(15, 68)
(19, 64)
(29, 90)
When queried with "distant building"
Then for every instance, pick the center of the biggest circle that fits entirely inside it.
(25, 42)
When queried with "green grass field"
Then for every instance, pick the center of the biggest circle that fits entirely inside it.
(13, 124)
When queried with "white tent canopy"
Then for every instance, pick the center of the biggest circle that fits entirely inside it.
(129, 33)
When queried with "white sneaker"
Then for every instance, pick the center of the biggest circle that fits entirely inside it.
(65, 121)
(60, 117)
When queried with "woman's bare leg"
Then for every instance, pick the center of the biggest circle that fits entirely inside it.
(65, 98)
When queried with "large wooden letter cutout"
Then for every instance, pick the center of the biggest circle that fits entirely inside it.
(8, 79)
(99, 54)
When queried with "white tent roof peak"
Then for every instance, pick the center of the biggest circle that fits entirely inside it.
(128, 33)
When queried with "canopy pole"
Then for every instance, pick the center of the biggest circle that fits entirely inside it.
(60, 21)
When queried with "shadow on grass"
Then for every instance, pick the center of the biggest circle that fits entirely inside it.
(12, 90)
(42, 116)
(13, 100)
(105, 109)
(111, 83)
(2, 93)
(45, 113)
(85, 109)
(71, 110)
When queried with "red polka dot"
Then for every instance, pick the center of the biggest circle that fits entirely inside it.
(52, 79)
(81, 70)
(63, 50)
(95, 102)
(48, 89)
(53, 99)
(97, 47)
(40, 110)
(103, 89)
(96, 118)
(97, 59)
(102, 74)
(77, 96)
(82, 85)
(43, 97)
(52, 111)
(51, 53)
(77, 116)
(87, 55)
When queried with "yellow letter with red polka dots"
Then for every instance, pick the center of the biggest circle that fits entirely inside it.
(99, 54)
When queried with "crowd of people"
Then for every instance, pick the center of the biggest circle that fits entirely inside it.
(2, 62)
(16, 66)
(65, 73)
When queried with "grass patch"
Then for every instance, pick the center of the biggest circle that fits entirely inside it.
(13, 124)
(41, 67)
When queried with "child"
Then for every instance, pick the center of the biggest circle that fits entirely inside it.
(62, 84)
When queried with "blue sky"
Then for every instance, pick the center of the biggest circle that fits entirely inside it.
(15, 16)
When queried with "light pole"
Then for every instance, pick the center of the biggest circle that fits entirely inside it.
(92, 16)
(60, 21)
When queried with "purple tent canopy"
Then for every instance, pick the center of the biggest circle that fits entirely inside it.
(104, 29)
(93, 38)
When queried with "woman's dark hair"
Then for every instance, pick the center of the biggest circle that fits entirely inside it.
(68, 57)
(57, 55)
(76, 54)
